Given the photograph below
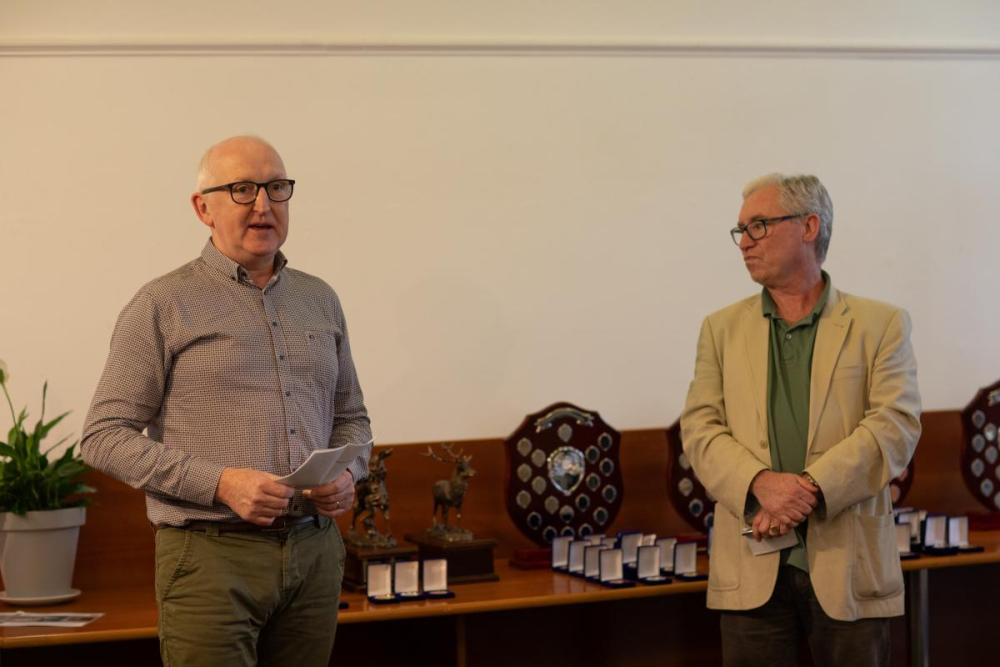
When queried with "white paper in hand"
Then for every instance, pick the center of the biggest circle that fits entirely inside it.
(323, 466)
(769, 544)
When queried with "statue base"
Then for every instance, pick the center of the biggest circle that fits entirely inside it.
(356, 563)
(375, 540)
(468, 560)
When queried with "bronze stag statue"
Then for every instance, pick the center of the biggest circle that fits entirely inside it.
(450, 493)
(370, 499)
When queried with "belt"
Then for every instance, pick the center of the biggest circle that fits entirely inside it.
(280, 523)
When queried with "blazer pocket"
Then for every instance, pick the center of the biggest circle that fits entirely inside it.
(724, 561)
(877, 573)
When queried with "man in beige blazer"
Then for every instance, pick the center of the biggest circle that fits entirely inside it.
(804, 405)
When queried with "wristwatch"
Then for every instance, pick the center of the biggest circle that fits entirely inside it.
(811, 480)
(821, 506)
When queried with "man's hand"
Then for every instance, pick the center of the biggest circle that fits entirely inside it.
(253, 495)
(333, 499)
(784, 497)
(765, 525)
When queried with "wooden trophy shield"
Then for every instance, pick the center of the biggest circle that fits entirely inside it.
(563, 474)
(981, 448)
(697, 506)
(692, 502)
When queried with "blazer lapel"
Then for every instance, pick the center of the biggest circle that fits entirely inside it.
(834, 324)
(755, 332)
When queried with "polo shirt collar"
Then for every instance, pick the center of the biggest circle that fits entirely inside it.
(770, 309)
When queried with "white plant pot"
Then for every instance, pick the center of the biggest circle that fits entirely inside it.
(38, 552)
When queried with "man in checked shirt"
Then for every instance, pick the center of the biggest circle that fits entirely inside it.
(237, 366)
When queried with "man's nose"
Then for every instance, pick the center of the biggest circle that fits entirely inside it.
(746, 241)
(263, 203)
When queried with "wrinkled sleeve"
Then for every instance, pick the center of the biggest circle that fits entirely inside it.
(351, 424)
(128, 397)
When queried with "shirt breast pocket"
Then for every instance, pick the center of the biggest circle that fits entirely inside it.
(321, 356)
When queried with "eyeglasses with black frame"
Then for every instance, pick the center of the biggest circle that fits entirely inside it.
(757, 229)
(245, 192)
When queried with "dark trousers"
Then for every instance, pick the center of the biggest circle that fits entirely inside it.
(770, 635)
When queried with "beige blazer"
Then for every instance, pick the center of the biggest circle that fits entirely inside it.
(864, 422)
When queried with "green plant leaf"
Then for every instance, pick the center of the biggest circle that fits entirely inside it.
(29, 480)
(42, 430)
(55, 447)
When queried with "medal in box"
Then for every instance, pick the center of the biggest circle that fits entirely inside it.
(934, 536)
(630, 541)
(592, 561)
(648, 566)
(903, 542)
(958, 535)
(406, 580)
(560, 553)
(436, 579)
(611, 568)
(379, 581)
(667, 545)
(686, 562)
(576, 549)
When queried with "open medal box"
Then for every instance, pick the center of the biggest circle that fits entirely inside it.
(400, 581)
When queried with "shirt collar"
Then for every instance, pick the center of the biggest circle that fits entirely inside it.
(216, 260)
(770, 309)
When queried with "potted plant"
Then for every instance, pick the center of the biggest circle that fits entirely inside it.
(41, 510)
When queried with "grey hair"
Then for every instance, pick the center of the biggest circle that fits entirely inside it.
(802, 194)
(204, 165)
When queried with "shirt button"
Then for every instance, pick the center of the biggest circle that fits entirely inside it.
(273, 323)
(281, 357)
(788, 336)
(288, 393)
(763, 444)
(292, 431)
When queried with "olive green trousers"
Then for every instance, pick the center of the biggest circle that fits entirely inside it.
(249, 598)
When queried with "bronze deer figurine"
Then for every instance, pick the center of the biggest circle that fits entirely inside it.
(451, 492)
(371, 498)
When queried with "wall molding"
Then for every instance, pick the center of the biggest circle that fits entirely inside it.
(513, 48)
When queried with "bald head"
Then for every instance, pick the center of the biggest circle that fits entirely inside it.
(228, 149)
(247, 231)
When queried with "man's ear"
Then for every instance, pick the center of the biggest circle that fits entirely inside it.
(812, 225)
(201, 209)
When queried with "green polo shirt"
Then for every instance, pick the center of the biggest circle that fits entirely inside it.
(789, 370)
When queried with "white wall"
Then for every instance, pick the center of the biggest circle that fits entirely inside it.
(517, 202)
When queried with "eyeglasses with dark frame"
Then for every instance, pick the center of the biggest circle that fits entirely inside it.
(757, 229)
(245, 192)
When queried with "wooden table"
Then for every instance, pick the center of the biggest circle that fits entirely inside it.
(130, 613)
